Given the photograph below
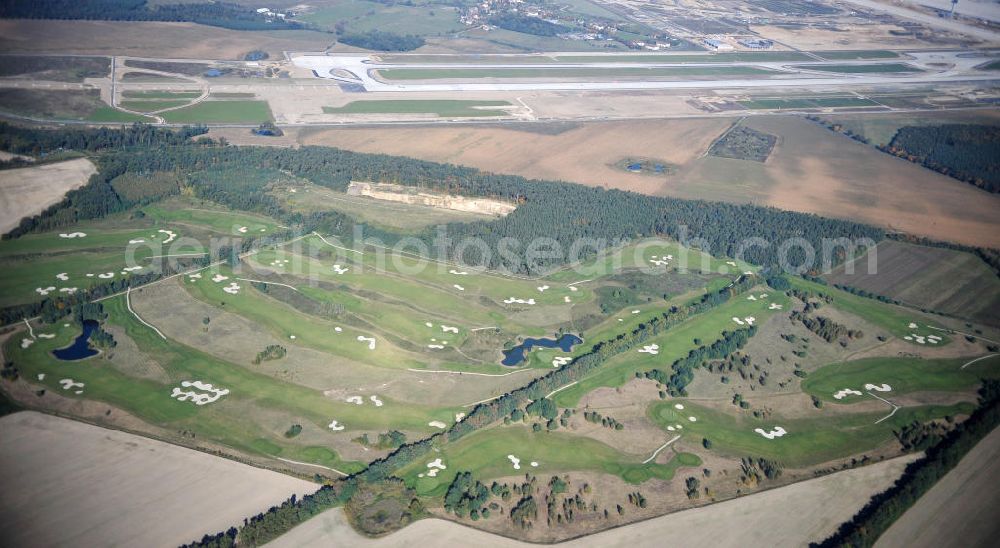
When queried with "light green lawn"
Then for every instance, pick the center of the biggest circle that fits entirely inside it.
(233, 112)
(902, 374)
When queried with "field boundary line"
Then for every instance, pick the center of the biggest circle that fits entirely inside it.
(560, 388)
(128, 304)
(967, 364)
(661, 448)
(482, 401)
(466, 372)
(263, 282)
(314, 465)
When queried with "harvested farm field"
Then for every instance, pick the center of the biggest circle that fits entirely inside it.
(72, 484)
(811, 169)
(945, 280)
(27, 191)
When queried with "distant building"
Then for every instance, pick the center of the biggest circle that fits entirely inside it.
(718, 45)
(756, 43)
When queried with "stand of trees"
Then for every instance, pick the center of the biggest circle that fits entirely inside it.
(963, 151)
(527, 25)
(885, 508)
(217, 14)
(682, 370)
(383, 41)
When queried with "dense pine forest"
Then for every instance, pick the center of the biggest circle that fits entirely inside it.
(218, 14)
(966, 152)
(565, 212)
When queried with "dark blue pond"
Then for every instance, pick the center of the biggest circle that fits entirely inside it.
(519, 353)
(79, 349)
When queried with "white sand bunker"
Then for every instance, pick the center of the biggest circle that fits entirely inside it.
(376, 401)
(566, 299)
(339, 269)
(513, 300)
(678, 406)
(428, 324)
(233, 289)
(131, 268)
(89, 275)
(751, 298)
(459, 417)
(195, 276)
(291, 337)
(69, 290)
(912, 325)
(74, 235)
(737, 320)
(636, 311)
(335, 426)
(660, 262)
(515, 461)
(776, 432)
(62, 276)
(25, 343)
(560, 361)
(749, 320)
(369, 340)
(242, 230)
(106, 275)
(458, 272)
(338, 329)
(137, 241)
(774, 306)
(730, 263)
(449, 329)
(653, 349)
(435, 346)
(878, 387)
(693, 419)
(41, 376)
(671, 428)
(841, 394)
(170, 235)
(46, 335)
(70, 383)
(219, 278)
(534, 464)
(542, 288)
(458, 287)
(437, 424)
(208, 394)
(573, 288)
(357, 400)
(44, 290)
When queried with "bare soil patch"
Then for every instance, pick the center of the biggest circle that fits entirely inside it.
(961, 510)
(28, 191)
(69, 483)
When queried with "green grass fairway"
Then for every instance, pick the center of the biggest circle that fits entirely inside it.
(675, 343)
(222, 112)
(363, 16)
(484, 453)
(858, 54)
(808, 441)
(902, 374)
(591, 73)
(443, 107)
(895, 319)
(160, 94)
(861, 69)
(108, 114)
(152, 104)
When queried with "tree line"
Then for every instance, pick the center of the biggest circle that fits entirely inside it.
(217, 14)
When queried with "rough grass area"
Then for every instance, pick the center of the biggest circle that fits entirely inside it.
(53, 67)
(221, 112)
(945, 280)
(62, 105)
(160, 94)
(862, 69)
(442, 107)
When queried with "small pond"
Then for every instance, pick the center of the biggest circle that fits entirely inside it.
(80, 348)
(519, 353)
